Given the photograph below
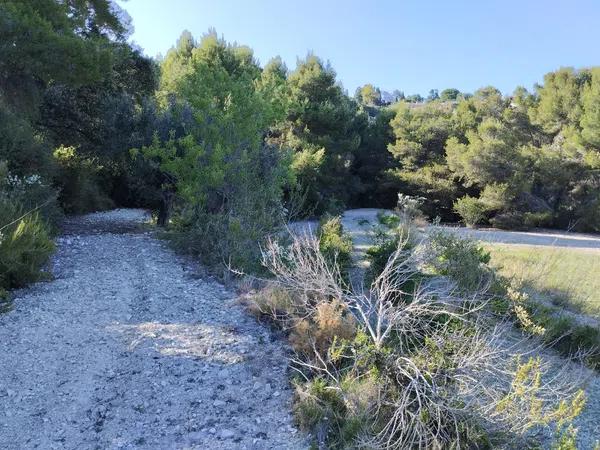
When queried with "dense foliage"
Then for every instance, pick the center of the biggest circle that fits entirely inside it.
(71, 91)
(228, 179)
(224, 150)
(523, 160)
(335, 245)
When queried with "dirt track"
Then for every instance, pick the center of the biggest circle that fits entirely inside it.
(355, 222)
(130, 348)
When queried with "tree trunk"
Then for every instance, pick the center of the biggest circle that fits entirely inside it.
(164, 212)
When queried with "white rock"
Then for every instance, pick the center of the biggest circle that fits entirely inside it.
(227, 434)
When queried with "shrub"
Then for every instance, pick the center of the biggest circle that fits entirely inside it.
(316, 405)
(81, 184)
(463, 260)
(511, 220)
(333, 206)
(32, 193)
(221, 214)
(537, 219)
(337, 417)
(589, 219)
(330, 321)
(390, 221)
(424, 370)
(25, 246)
(273, 302)
(558, 330)
(394, 233)
(20, 146)
(335, 245)
(570, 338)
(470, 209)
(219, 239)
(378, 255)
(496, 197)
(409, 206)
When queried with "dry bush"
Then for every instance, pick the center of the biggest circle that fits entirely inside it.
(446, 373)
(330, 321)
(273, 302)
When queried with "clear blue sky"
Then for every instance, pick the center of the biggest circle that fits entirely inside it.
(408, 45)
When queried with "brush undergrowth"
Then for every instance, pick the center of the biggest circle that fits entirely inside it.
(411, 361)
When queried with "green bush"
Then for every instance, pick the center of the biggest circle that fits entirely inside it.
(333, 206)
(394, 231)
(335, 245)
(386, 241)
(512, 220)
(463, 260)
(356, 385)
(20, 147)
(379, 254)
(221, 214)
(390, 221)
(470, 209)
(569, 337)
(564, 333)
(537, 219)
(231, 239)
(81, 183)
(589, 215)
(338, 417)
(32, 193)
(25, 246)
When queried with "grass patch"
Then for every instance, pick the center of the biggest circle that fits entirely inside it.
(566, 277)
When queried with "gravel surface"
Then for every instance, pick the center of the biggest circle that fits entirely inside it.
(358, 222)
(543, 238)
(128, 347)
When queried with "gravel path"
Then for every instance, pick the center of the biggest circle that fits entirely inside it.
(355, 222)
(129, 348)
(577, 241)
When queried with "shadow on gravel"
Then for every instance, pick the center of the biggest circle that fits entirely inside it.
(118, 221)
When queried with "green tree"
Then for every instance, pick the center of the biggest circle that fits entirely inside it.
(449, 94)
(433, 95)
(419, 151)
(590, 118)
(43, 41)
(421, 133)
(414, 98)
(397, 95)
(368, 95)
(69, 78)
(216, 162)
(559, 99)
(373, 160)
(322, 128)
(491, 154)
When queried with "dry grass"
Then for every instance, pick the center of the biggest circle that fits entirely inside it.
(567, 277)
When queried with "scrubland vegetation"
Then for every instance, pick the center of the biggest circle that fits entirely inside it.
(436, 352)
(431, 350)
